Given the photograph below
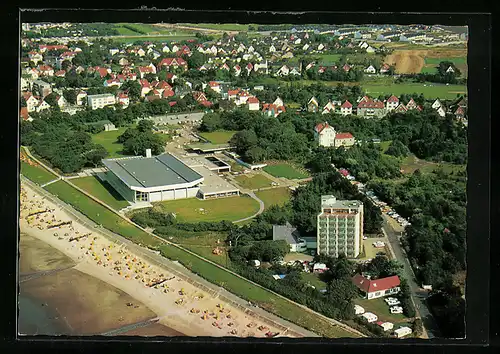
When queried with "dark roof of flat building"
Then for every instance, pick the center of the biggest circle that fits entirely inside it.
(285, 232)
(149, 172)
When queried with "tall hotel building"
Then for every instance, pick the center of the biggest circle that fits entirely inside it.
(340, 227)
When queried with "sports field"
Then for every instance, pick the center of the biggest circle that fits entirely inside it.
(36, 174)
(285, 170)
(253, 182)
(219, 136)
(430, 90)
(196, 210)
(274, 196)
(102, 191)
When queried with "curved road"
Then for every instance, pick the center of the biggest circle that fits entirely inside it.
(261, 207)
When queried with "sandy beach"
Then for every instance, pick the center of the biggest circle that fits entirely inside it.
(135, 291)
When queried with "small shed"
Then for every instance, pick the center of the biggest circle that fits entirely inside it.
(370, 317)
(358, 310)
(402, 332)
(255, 263)
(319, 268)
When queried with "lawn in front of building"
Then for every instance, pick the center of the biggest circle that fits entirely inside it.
(101, 190)
(196, 210)
(219, 136)
(109, 141)
(381, 309)
(274, 196)
(285, 170)
(253, 181)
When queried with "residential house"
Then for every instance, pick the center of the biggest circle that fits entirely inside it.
(283, 71)
(272, 49)
(272, 110)
(81, 97)
(24, 114)
(25, 84)
(42, 106)
(402, 332)
(42, 88)
(401, 108)
(305, 47)
(278, 102)
(123, 99)
(344, 139)
(384, 68)
(249, 68)
(114, 51)
(377, 288)
(35, 57)
(61, 101)
(295, 71)
(313, 105)
(145, 87)
(371, 108)
(261, 66)
(392, 103)
(413, 105)
(370, 70)
(328, 108)
(225, 67)
(33, 72)
(346, 108)
(325, 134)
(215, 86)
(100, 101)
(123, 61)
(199, 96)
(459, 113)
(112, 82)
(450, 70)
(165, 49)
(242, 98)
(150, 69)
(60, 73)
(46, 70)
(346, 67)
(31, 101)
(173, 63)
(253, 103)
(386, 326)
(370, 49)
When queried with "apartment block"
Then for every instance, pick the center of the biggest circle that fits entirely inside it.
(340, 227)
(100, 101)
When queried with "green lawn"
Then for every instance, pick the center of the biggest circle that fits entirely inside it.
(285, 170)
(329, 59)
(384, 145)
(411, 163)
(125, 31)
(429, 70)
(99, 214)
(101, 190)
(253, 182)
(220, 26)
(36, 174)
(430, 90)
(176, 36)
(230, 208)
(262, 297)
(456, 60)
(381, 309)
(314, 280)
(108, 140)
(219, 136)
(275, 196)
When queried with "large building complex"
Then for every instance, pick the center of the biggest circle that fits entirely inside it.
(340, 227)
(100, 101)
(152, 179)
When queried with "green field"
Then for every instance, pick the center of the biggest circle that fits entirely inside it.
(329, 59)
(253, 182)
(36, 174)
(412, 163)
(381, 309)
(429, 91)
(99, 214)
(314, 280)
(108, 141)
(429, 70)
(285, 170)
(274, 196)
(262, 297)
(102, 191)
(230, 208)
(219, 136)
(176, 36)
(220, 26)
(456, 60)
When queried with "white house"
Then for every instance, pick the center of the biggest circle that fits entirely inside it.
(253, 104)
(278, 102)
(272, 49)
(346, 108)
(386, 326)
(450, 70)
(370, 70)
(305, 47)
(283, 71)
(42, 106)
(392, 103)
(80, 97)
(166, 49)
(61, 101)
(402, 332)
(441, 111)
(370, 317)
(100, 101)
(329, 108)
(436, 104)
(325, 134)
(31, 102)
(378, 287)
(370, 49)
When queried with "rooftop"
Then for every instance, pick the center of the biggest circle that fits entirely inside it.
(332, 202)
(149, 172)
(285, 232)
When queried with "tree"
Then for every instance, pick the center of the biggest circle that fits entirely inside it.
(133, 88)
(211, 122)
(96, 155)
(145, 125)
(70, 96)
(255, 154)
(196, 60)
(51, 99)
(244, 140)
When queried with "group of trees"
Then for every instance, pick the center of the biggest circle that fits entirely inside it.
(334, 74)
(442, 76)
(136, 140)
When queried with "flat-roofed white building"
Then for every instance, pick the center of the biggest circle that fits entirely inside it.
(100, 101)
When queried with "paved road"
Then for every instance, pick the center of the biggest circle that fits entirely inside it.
(261, 207)
(418, 294)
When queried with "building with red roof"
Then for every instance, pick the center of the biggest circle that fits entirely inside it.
(373, 289)
(369, 108)
(253, 103)
(326, 135)
(272, 110)
(346, 108)
(173, 63)
(392, 103)
(214, 86)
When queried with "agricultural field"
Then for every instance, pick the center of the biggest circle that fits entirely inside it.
(219, 136)
(415, 60)
(196, 210)
(102, 191)
(36, 174)
(175, 36)
(261, 297)
(109, 141)
(135, 28)
(285, 170)
(381, 309)
(429, 90)
(220, 26)
(274, 196)
(253, 182)
(100, 214)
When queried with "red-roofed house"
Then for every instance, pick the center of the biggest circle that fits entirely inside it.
(150, 69)
(346, 67)
(112, 82)
(24, 114)
(233, 94)
(401, 109)
(145, 87)
(370, 108)
(237, 70)
(31, 101)
(392, 103)
(326, 135)
(373, 289)
(253, 103)
(249, 68)
(205, 103)
(459, 113)
(199, 96)
(385, 68)
(272, 110)
(329, 108)
(123, 99)
(46, 70)
(214, 86)
(411, 105)
(344, 139)
(167, 93)
(173, 63)
(346, 108)
(60, 73)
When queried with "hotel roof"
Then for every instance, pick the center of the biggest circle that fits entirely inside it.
(148, 172)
